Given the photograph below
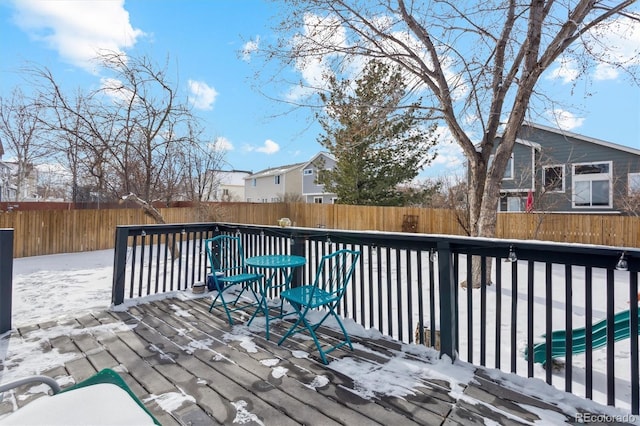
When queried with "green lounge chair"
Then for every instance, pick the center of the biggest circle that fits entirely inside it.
(102, 399)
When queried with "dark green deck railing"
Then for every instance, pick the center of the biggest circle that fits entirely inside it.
(406, 283)
(6, 278)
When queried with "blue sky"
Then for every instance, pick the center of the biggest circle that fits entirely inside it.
(204, 41)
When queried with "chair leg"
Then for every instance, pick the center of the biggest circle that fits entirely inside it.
(245, 286)
(312, 331)
(308, 326)
(292, 328)
(344, 330)
(263, 306)
(224, 305)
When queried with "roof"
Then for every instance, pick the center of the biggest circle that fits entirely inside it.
(275, 171)
(315, 157)
(232, 177)
(584, 138)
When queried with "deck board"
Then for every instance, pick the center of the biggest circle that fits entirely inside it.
(224, 374)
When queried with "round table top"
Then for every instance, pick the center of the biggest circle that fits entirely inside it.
(276, 261)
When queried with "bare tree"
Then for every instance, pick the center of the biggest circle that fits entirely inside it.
(453, 195)
(148, 115)
(627, 194)
(202, 162)
(23, 135)
(630, 203)
(70, 141)
(471, 60)
(131, 136)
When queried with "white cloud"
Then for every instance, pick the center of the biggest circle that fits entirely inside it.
(617, 41)
(606, 72)
(567, 70)
(249, 48)
(77, 30)
(450, 155)
(116, 90)
(313, 71)
(269, 147)
(564, 120)
(318, 31)
(202, 95)
(222, 144)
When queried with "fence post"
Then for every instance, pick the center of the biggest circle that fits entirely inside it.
(298, 248)
(119, 265)
(448, 319)
(6, 278)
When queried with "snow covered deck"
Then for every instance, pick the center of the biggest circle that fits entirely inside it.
(190, 367)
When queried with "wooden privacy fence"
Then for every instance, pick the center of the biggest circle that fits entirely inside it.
(41, 232)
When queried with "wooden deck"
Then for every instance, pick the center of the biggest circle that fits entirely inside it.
(190, 367)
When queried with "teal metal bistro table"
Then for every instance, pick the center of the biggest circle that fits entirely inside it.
(278, 264)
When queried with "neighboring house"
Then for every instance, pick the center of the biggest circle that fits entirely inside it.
(277, 184)
(7, 190)
(567, 172)
(9, 181)
(225, 185)
(312, 191)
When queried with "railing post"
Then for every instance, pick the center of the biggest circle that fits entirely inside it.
(6, 278)
(119, 265)
(448, 319)
(298, 248)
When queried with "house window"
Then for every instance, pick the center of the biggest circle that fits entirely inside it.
(307, 172)
(277, 179)
(510, 204)
(592, 185)
(253, 182)
(508, 173)
(317, 200)
(553, 178)
(513, 204)
(225, 192)
(321, 177)
(334, 200)
(634, 184)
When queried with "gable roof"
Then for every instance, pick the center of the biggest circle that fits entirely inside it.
(315, 157)
(232, 177)
(273, 171)
(584, 138)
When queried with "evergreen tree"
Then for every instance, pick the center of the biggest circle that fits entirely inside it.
(378, 146)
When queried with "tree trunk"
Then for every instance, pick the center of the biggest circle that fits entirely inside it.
(148, 209)
(154, 213)
(483, 205)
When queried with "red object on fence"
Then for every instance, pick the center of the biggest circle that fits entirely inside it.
(529, 206)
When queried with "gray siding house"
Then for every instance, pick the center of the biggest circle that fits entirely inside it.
(312, 191)
(570, 173)
(290, 183)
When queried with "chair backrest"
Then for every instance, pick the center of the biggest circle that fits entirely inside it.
(335, 271)
(225, 254)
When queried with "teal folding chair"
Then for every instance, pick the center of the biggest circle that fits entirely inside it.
(332, 277)
(228, 269)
